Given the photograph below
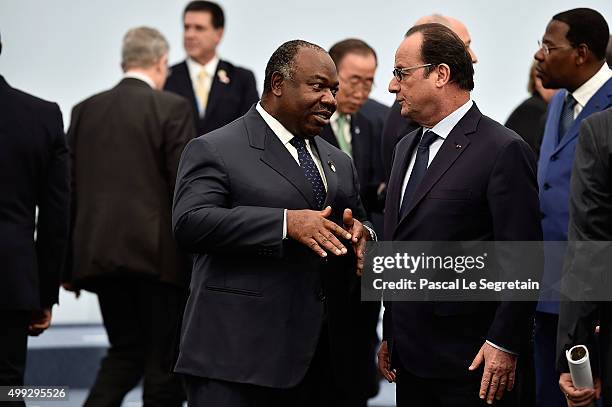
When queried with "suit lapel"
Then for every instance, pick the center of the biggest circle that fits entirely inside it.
(356, 139)
(396, 179)
(328, 135)
(218, 89)
(185, 86)
(454, 145)
(328, 166)
(275, 154)
(599, 102)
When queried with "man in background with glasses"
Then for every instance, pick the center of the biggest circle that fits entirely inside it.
(571, 56)
(459, 177)
(357, 136)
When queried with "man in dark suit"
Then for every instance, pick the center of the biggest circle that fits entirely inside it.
(270, 318)
(571, 58)
(356, 135)
(218, 91)
(376, 112)
(33, 174)
(126, 144)
(396, 126)
(469, 179)
(590, 221)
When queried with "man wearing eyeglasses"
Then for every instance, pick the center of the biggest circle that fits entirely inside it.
(459, 177)
(356, 135)
(571, 56)
(397, 126)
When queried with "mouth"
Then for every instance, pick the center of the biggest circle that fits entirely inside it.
(323, 117)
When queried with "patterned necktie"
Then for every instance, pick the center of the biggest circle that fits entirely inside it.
(343, 127)
(567, 116)
(418, 171)
(310, 171)
(202, 90)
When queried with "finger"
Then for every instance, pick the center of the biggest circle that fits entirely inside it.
(314, 246)
(326, 212)
(511, 380)
(332, 245)
(493, 386)
(335, 229)
(503, 382)
(477, 360)
(347, 218)
(357, 233)
(484, 384)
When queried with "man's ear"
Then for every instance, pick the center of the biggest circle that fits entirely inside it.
(276, 83)
(443, 71)
(582, 53)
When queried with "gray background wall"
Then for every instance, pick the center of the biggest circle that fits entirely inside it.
(66, 50)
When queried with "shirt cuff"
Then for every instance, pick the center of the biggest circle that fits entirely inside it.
(372, 233)
(502, 349)
(285, 224)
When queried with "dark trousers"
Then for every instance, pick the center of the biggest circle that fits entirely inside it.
(140, 318)
(318, 388)
(548, 393)
(13, 346)
(413, 391)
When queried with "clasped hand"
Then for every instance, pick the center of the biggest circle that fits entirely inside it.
(313, 229)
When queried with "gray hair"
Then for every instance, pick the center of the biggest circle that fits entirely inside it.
(142, 48)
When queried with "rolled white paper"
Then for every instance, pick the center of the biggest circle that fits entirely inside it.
(580, 367)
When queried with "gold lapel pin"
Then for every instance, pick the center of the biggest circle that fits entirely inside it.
(332, 166)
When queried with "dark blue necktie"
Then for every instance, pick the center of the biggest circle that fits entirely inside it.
(567, 116)
(310, 171)
(418, 171)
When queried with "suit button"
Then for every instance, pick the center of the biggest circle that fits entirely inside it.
(546, 186)
(321, 296)
(553, 158)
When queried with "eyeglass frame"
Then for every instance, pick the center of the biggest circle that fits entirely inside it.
(546, 49)
(399, 73)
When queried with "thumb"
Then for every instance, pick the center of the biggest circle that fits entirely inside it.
(347, 217)
(326, 212)
(477, 360)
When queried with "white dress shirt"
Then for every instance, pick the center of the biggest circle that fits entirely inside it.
(442, 129)
(194, 69)
(586, 91)
(285, 137)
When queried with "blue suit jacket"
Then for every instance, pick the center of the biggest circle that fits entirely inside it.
(554, 172)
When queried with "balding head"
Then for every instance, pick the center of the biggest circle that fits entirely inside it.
(457, 26)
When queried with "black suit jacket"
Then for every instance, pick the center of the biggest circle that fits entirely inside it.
(366, 156)
(483, 190)
(125, 146)
(376, 113)
(396, 127)
(257, 302)
(33, 173)
(590, 220)
(528, 120)
(226, 101)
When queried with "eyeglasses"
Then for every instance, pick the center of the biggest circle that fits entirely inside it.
(355, 82)
(547, 49)
(399, 73)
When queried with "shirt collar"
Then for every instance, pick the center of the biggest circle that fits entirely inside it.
(195, 67)
(586, 91)
(140, 76)
(281, 132)
(336, 115)
(446, 125)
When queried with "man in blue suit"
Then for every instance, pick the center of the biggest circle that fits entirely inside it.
(571, 57)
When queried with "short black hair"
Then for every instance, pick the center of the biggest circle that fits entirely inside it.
(586, 26)
(282, 61)
(350, 46)
(442, 46)
(215, 10)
